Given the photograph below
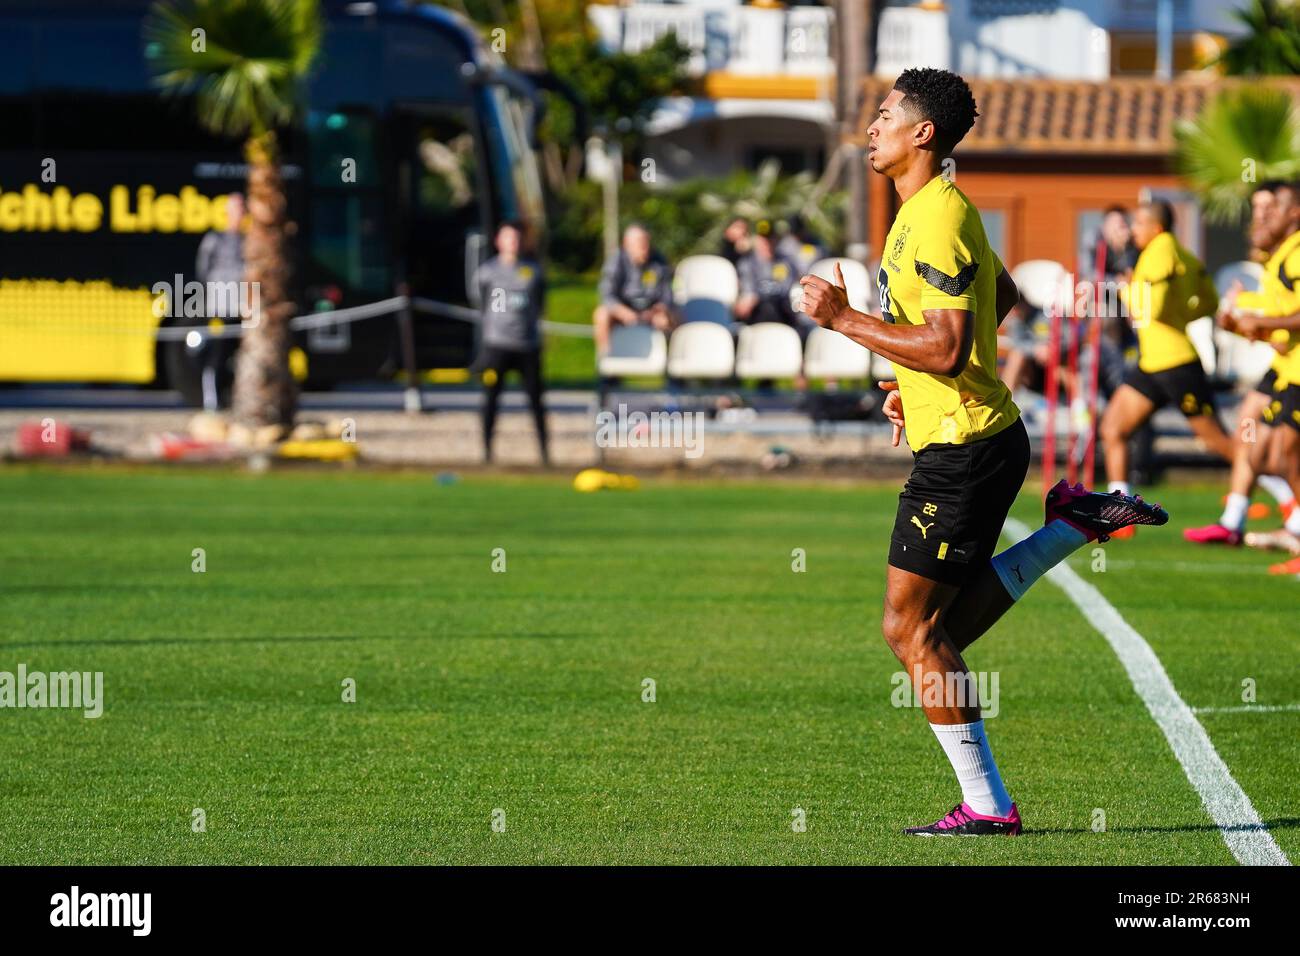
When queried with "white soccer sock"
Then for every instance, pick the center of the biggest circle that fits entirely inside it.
(1022, 564)
(967, 747)
(1120, 486)
(1293, 522)
(1277, 487)
(1234, 512)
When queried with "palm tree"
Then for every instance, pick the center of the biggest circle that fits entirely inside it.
(1271, 45)
(1241, 137)
(246, 62)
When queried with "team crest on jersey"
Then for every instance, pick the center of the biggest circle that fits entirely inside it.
(649, 277)
(780, 271)
(900, 243)
(525, 272)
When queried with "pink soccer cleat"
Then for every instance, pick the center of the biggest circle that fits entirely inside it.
(1100, 517)
(961, 820)
(1213, 534)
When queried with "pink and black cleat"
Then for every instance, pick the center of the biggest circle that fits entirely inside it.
(1213, 534)
(963, 821)
(1099, 516)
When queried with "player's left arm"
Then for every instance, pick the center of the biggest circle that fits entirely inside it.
(1007, 295)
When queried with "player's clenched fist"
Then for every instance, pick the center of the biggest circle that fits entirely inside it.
(822, 301)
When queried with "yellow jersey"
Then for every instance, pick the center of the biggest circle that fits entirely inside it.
(1279, 295)
(1169, 288)
(937, 256)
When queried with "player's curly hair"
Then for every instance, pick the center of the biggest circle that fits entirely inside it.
(941, 97)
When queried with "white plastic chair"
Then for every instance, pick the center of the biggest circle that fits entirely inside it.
(857, 281)
(1042, 282)
(701, 350)
(706, 277)
(706, 310)
(828, 354)
(768, 350)
(635, 350)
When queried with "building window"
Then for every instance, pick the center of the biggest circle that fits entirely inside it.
(992, 9)
(995, 228)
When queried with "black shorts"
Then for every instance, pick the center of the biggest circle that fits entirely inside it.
(1184, 386)
(952, 509)
(501, 360)
(1283, 408)
(1268, 384)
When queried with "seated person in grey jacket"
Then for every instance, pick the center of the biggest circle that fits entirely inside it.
(636, 285)
(766, 281)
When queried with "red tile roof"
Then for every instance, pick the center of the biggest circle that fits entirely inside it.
(1124, 116)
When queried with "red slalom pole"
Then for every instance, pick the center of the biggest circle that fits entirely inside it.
(1050, 389)
(1071, 399)
(1094, 344)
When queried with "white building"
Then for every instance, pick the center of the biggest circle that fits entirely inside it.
(767, 71)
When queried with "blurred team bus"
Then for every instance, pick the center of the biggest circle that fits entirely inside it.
(107, 187)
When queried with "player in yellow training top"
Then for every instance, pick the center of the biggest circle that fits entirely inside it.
(943, 294)
(1169, 288)
(1276, 312)
(1275, 226)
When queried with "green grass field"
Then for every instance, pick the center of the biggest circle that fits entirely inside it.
(522, 691)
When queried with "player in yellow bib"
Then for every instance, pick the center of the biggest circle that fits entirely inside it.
(1275, 225)
(943, 293)
(1276, 310)
(1169, 289)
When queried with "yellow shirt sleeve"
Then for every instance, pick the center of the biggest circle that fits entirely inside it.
(946, 263)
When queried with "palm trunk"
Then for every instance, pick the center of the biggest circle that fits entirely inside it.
(265, 392)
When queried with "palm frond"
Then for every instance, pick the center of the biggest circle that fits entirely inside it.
(247, 65)
(1239, 139)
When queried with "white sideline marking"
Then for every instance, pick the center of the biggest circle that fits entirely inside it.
(1247, 709)
(1225, 801)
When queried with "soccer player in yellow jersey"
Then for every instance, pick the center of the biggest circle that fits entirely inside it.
(1277, 310)
(1169, 288)
(943, 293)
(1275, 226)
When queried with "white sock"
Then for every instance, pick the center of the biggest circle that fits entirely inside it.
(1234, 512)
(1120, 486)
(981, 784)
(1022, 564)
(1277, 487)
(1293, 522)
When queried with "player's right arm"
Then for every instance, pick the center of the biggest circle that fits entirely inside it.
(941, 345)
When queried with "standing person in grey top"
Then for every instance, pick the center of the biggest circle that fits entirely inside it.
(636, 286)
(219, 265)
(221, 259)
(512, 297)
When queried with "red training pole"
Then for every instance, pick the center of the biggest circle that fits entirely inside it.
(1094, 343)
(1071, 399)
(1050, 388)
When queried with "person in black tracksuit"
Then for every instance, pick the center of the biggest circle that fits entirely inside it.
(512, 295)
